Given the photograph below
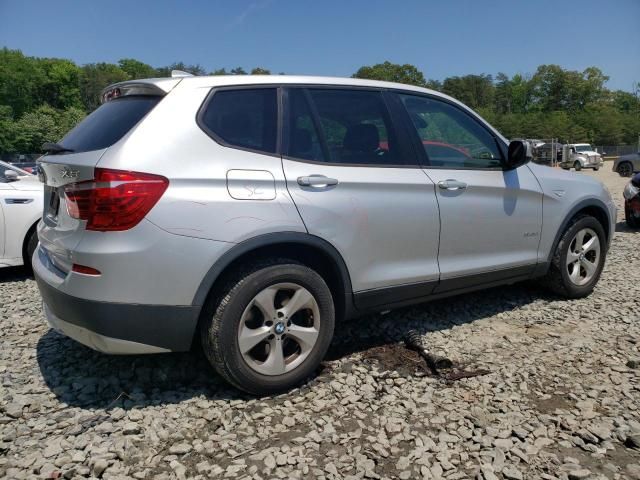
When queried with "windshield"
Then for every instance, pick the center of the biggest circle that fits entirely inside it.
(109, 123)
(584, 147)
(5, 166)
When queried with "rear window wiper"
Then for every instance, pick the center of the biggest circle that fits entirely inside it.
(53, 148)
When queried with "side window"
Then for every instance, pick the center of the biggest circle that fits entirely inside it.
(245, 118)
(304, 141)
(356, 127)
(450, 137)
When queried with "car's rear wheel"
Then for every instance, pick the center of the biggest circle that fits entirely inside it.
(578, 166)
(625, 169)
(270, 328)
(633, 221)
(30, 245)
(578, 258)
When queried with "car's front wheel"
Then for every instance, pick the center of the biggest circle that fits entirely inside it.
(578, 258)
(578, 166)
(270, 327)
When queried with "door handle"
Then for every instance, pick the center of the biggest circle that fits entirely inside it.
(316, 181)
(451, 184)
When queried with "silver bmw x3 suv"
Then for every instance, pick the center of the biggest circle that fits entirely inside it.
(253, 214)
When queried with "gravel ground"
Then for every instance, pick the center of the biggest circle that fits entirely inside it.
(559, 398)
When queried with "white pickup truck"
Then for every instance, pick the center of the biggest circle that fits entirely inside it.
(579, 156)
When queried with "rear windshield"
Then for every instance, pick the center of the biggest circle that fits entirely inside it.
(109, 123)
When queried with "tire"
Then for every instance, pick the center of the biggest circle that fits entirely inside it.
(578, 166)
(30, 245)
(240, 309)
(558, 278)
(595, 169)
(630, 218)
(625, 169)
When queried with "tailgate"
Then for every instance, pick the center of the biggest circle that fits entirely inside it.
(59, 233)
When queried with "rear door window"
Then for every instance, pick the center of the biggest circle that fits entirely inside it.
(244, 118)
(109, 123)
(356, 127)
(303, 138)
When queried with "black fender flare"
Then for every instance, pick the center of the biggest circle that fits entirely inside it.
(254, 243)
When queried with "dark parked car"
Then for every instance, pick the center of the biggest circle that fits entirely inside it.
(632, 202)
(627, 165)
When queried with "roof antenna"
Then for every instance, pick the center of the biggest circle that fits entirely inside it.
(180, 74)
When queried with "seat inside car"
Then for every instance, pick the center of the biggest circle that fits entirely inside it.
(361, 144)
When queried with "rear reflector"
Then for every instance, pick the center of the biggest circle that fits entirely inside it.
(116, 200)
(84, 270)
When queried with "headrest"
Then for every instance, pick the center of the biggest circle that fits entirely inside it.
(300, 140)
(362, 137)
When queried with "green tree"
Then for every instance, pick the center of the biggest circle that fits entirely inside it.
(476, 91)
(96, 77)
(21, 81)
(192, 69)
(61, 88)
(392, 72)
(260, 71)
(238, 71)
(135, 69)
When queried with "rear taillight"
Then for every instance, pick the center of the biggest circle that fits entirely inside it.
(115, 200)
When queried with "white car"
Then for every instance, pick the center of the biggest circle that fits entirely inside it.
(21, 196)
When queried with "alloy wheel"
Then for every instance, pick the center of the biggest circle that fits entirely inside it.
(279, 328)
(583, 256)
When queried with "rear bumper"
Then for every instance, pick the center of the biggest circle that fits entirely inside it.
(117, 328)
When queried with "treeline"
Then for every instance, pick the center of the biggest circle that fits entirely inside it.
(42, 98)
(551, 103)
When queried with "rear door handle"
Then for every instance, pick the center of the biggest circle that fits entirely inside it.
(316, 181)
(451, 184)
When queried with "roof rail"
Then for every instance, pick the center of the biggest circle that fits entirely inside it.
(180, 74)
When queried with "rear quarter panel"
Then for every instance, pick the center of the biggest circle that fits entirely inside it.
(198, 203)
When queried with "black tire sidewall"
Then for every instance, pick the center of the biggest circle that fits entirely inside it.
(572, 289)
(625, 174)
(577, 166)
(243, 375)
(30, 248)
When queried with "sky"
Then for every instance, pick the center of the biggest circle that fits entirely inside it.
(327, 37)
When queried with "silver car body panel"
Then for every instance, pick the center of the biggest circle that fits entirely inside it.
(383, 221)
(562, 192)
(492, 224)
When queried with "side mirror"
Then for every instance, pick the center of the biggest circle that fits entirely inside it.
(518, 154)
(11, 175)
